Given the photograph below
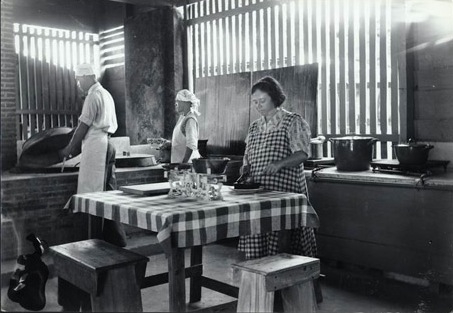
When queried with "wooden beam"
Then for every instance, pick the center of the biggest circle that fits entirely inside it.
(157, 3)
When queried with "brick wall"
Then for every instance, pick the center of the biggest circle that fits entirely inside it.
(8, 87)
(34, 202)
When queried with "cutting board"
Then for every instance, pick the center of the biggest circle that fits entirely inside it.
(147, 189)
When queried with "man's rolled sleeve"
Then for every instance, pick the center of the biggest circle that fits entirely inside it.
(89, 110)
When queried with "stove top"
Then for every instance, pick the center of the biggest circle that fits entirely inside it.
(394, 167)
(319, 163)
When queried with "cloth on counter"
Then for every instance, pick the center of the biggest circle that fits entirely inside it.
(183, 222)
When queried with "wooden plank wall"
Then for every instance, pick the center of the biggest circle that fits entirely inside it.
(300, 86)
(351, 40)
(225, 112)
(225, 108)
(431, 49)
(47, 91)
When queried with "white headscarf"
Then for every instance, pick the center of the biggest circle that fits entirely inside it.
(186, 95)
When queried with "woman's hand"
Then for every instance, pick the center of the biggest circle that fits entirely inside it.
(244, 170)
(293, 160)
(272, 168)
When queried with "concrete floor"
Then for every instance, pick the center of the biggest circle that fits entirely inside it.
(344, 290)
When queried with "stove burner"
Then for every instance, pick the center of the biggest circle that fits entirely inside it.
(394, 167)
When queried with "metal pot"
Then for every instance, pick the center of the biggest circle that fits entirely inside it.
(412, 153)
(352, 153)
(202, 147)
(316, 146)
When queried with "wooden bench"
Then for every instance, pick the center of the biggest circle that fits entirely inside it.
(291, 274)
(111, 275)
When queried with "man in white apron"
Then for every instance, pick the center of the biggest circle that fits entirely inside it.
(96, 123)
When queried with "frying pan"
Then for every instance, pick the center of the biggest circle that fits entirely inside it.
(41, 149)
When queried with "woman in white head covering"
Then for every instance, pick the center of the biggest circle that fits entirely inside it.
(184, 143)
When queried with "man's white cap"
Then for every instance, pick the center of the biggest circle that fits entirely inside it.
(84, 69)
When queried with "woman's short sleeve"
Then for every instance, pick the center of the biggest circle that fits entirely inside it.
(299, 135)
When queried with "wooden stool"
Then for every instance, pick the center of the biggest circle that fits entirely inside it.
(260, 278)
(111, 275)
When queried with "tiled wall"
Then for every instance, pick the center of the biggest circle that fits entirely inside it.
(34, 202)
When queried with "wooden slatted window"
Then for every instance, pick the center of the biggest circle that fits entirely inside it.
(355, 42)
(111, 46)
(47, 94)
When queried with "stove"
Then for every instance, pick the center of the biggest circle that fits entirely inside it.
(318, 163)
(394, 167)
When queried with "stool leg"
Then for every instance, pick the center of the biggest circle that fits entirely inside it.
(253, 296)
(299, 298)
(120, 292)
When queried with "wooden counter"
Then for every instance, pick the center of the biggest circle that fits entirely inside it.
(389, 222)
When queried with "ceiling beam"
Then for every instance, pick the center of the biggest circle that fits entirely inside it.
(157, 3)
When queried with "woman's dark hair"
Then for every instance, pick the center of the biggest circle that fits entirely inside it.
(272, 87)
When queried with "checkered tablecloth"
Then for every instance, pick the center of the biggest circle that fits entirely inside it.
(183, 222)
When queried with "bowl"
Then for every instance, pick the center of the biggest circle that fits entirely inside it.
(216, 165)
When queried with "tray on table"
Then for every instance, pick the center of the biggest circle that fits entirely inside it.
(153, 189)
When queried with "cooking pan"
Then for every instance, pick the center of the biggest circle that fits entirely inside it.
(412, 153)
(41, 149)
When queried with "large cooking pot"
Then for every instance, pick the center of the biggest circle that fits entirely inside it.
(352, 153)
(412, 153)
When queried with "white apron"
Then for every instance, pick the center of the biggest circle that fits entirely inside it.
(92, 164)
(178, 144)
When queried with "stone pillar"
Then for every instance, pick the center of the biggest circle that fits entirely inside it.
(154, 71)
(8, 87)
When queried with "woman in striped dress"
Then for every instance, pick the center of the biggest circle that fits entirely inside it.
(277, 144)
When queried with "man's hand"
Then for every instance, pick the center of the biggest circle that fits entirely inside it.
(165, 146)
(65, 153)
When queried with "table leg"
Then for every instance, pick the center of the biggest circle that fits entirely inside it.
(196, 258)
(176, 281)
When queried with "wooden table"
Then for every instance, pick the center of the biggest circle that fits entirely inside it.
(183, 223)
